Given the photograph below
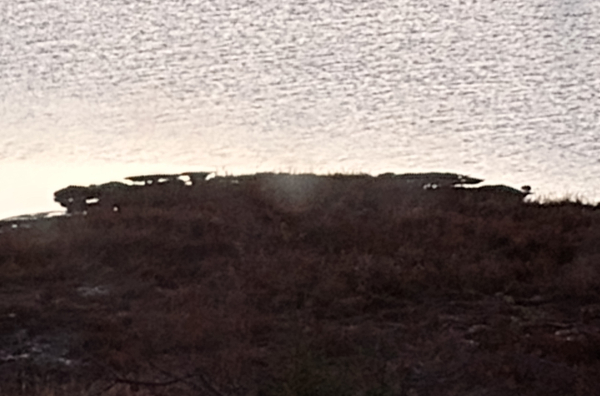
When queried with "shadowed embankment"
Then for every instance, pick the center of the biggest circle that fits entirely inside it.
(301, 285)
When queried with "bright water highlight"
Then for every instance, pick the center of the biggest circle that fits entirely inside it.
(506, 91)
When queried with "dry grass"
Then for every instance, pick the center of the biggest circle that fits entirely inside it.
(286, 285)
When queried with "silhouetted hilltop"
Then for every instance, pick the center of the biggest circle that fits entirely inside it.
(278, 284)
(187, 188)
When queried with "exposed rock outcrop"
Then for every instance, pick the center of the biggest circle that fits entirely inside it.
(155, 180)
(74, 198)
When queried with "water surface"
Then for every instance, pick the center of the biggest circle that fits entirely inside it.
(507, 91)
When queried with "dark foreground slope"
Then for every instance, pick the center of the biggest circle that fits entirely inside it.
(304, 285)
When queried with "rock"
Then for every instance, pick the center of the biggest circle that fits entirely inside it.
(74, 198)
(196, 178)
(154, 180)
(432, 180)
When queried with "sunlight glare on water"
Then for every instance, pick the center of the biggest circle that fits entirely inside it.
(506, 91)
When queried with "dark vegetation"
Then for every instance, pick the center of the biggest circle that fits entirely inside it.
(279, 285)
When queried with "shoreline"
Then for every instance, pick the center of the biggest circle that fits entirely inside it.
(37, 183)
(430, 180)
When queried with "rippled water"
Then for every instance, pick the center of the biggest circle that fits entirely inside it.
(93, 90)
